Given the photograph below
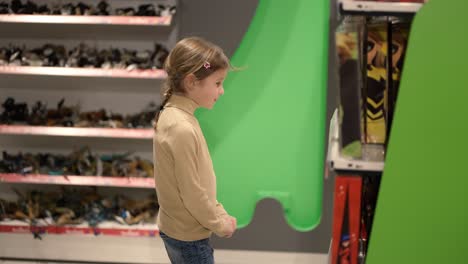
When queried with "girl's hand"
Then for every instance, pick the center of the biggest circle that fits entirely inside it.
(232, 223)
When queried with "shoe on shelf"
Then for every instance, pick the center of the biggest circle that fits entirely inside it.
(147, 10)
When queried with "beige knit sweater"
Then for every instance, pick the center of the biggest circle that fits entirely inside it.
(184, 175)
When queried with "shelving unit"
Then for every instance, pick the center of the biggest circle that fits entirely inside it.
(122, 91)
(368, 83)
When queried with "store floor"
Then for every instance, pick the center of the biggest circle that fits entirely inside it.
(73, 249)
(229, 257)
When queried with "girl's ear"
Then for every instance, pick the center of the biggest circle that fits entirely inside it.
(189, 82)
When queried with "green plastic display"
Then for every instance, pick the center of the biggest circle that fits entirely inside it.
(266, 134)
(422, 211)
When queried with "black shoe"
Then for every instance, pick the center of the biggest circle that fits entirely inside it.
(4, 8)
(28, 9)
(147, 10)
(103, 8)
(14, 112)
(43, 10)
(15, 6)
(83, 9)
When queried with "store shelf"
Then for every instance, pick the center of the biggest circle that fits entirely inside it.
(371, 7)
(128, 182)
(340, 163)
(88, 20)
(344, 164)
(105, 228)
(131, 133)
(83, 72)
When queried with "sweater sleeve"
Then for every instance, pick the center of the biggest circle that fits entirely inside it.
(220, 210)
(194, 196)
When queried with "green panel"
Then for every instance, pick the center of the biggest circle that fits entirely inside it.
(422, 209)
(266, 134)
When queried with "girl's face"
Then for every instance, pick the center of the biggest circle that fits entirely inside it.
(207, 91)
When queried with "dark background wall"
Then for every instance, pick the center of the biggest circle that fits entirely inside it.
(224, 22)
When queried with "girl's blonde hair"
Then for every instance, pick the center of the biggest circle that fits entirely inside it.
(192, 55)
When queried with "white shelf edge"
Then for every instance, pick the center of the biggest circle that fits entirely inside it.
(83, 72)
(129, 133)
(379, 7)
(76, 180)
(161, 21)
(104, 228)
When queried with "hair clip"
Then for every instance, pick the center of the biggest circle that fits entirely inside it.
(207, 65)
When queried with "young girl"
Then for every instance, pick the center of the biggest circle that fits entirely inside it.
(185, 180)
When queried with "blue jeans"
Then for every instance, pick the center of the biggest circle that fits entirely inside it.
(188, 252)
